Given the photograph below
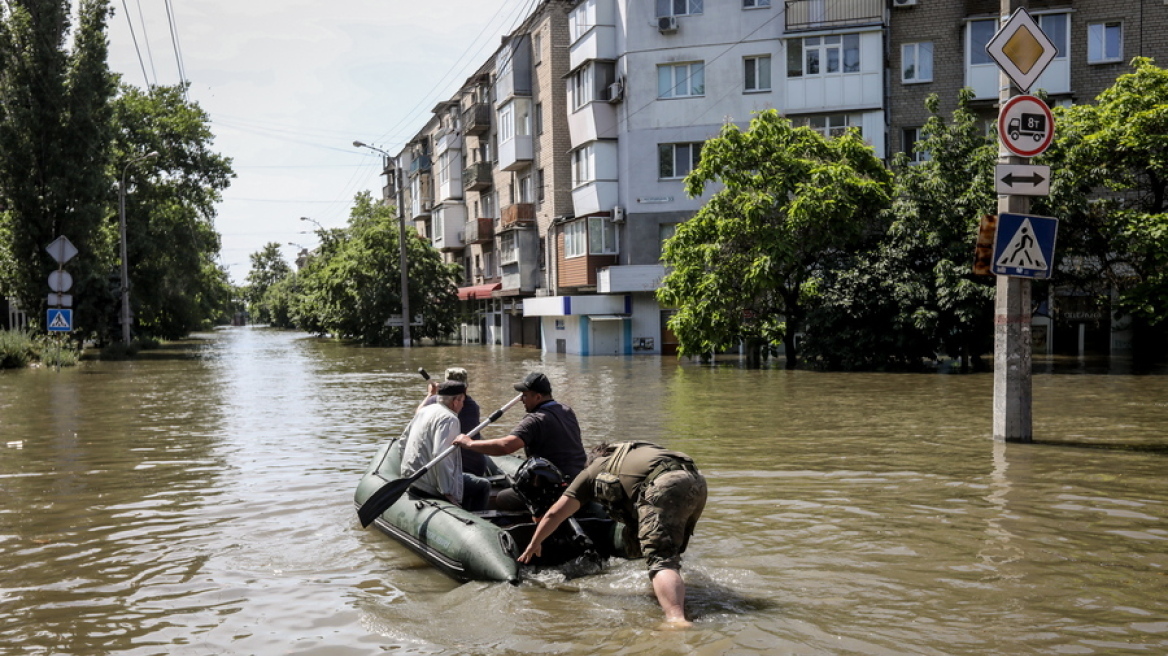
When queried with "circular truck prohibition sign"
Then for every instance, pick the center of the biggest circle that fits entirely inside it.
(1026, 126)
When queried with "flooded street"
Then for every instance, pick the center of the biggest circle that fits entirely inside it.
(198, 501)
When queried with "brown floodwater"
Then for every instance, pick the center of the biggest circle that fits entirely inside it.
(198, 500)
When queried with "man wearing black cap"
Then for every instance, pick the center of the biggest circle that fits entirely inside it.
(433, 429)
(549, 430)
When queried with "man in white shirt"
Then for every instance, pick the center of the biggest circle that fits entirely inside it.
(432, 431)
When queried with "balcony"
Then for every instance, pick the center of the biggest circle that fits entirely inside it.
(479, 231)
(517, 214)
(476, 119)
(477, 176)
(420, 164)
(805, 15)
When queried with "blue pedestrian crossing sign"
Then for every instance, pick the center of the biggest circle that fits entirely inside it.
(1024, 247)
(60, 320)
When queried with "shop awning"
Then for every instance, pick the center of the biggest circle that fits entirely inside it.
(477, 291)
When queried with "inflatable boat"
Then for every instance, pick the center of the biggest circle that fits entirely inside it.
(482, 546)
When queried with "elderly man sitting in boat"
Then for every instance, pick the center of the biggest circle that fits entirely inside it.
(433, 429)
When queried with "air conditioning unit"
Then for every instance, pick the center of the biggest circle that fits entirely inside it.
(616, 92)
(667, 24)
(904, 3)
(618, 214)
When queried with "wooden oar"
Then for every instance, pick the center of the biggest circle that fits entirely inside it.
(388, 494)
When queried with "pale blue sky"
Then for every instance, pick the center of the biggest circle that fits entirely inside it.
(290, 85)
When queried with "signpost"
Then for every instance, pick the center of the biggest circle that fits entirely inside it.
(60, 281)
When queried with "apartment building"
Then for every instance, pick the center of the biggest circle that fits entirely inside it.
(555, 174)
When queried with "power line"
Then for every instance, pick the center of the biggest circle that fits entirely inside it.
(146, 40)
(182, 73)
(134, 38)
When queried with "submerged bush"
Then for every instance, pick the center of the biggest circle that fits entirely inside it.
(57, 353)
(16, 349)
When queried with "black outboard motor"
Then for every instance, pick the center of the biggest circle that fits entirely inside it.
(539, 483)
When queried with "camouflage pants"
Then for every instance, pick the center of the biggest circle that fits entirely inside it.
(666, 515)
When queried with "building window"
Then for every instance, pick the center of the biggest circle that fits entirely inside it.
(678, 7)
(537, 48)
(508, 254)
(575, 236)
(758, 73)
(754, 4)
(823, 55)
(916, 62)
(980, 33)
(539, 185)
(676, 160)
(1104, 42)
(1055, 27)
(539, 118)
(590, 82)
(507, 123)
(437, 227)
(830, 125)
(525, 195)
(582, 165)
(681, 80)
(488, 205)
(601, 236)
(910, 138)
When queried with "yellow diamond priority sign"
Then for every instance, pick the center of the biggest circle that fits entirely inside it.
(1022, 49)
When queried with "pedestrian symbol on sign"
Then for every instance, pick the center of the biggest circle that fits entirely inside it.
(60, 320)
(1023, 252)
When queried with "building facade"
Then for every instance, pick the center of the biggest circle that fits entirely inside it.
(555, 173)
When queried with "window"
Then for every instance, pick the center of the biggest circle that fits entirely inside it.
(754, 4)
(1104, 42)
(437, 229)
(1055, 26)
(823, 55)
(909, 140)
(488, 206)
(980, 33)
(508, 254)
(601, 236)
(758, 73)
(525, 195)
(830, 125)
(681, 80)
(916, 62)
(678, 7)
(665, 232)
(582, 19)
(507, 123)
(574, 238)
(678, 159)
(539, 118)
(582, 165)
(590, 82)
(539, 185)
(536, 48)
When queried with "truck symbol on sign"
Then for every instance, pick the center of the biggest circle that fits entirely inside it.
(1033, 125)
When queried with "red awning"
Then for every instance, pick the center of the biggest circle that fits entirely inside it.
(477, 291)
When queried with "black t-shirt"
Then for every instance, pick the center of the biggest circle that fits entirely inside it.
(552, 432)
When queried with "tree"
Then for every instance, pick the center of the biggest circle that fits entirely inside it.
(742, 267)
(55, 135)
(916, 284)
(268, 268)
(351, 285)
(170, 210)
(1110, 189)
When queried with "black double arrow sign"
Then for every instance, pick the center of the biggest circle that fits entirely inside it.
(1033, 179)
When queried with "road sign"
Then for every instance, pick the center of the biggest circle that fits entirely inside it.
(1024, 247)
(1022, 49)
(395, 321)
(1022, 179)
(59, 320)
(1025, 126)
(61, 300)
(62, 249)
(60, 281)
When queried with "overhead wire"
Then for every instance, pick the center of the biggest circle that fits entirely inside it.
(146, 40)
(134, 38)
(178, 58)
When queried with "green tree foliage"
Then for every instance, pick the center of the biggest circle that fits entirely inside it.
(352, 283)
(55, 135)
(177, 285)
(742, 267)
(268, 268)
(916, 284)
(1110, 190)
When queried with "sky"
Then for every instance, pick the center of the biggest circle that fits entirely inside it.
(290, 84)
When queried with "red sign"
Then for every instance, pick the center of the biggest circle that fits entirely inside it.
(1026, 126)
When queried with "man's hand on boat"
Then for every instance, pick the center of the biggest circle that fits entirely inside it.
(561, 510)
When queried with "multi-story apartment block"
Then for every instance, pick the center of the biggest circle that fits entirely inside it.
(555, 174)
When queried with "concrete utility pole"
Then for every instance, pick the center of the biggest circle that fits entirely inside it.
(1012, 361)
(403, 263)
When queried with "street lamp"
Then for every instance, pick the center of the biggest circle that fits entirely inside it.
(312, 221)
(401, 242)
(125, 259)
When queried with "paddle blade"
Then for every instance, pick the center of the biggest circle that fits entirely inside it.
(381, 500)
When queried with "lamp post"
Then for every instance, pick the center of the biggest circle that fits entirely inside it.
(401, 242)
(125, 259)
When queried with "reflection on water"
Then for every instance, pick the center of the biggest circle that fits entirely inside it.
(199, 500)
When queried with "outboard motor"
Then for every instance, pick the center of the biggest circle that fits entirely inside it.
(539, 483)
